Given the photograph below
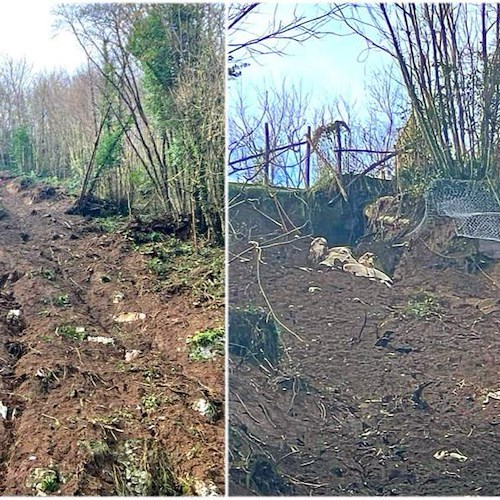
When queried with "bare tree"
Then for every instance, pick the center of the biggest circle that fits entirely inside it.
(448, 57)
(258, 29)
(283, 113)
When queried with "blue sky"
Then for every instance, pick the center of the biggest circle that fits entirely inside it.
(328, 69)
(325, 68)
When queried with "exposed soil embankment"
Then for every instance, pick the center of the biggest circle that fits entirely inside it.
(379, 391)
(99, 392)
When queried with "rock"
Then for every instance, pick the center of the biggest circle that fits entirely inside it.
(128, 317)
(131, 355)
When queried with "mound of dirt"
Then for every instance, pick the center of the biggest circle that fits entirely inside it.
(98, 393)
(378, 391)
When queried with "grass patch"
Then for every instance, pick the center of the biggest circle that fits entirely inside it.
(98, 450)
(43, 481)
(181, 267)
(48, 274)
(206, 344)
(152, 402)
(72, 332)
(61, 300)
(423, 305)
(143, 469)
(111, 224)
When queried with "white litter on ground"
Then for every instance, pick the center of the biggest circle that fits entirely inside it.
(3, 411)
(101, 340)
(128, 317)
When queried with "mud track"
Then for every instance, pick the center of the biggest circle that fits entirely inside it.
(64, 394)
(381, 381)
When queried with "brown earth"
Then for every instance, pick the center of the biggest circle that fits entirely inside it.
(73, 404)
(373, 381)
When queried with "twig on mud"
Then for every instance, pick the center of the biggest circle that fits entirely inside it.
(357, 339)
(79, 356)
(54, 257)
(305, 464)
(435, 252)
(337, 420)
(488, 277)
(14, 395)
(269, 243)
(268, 217)
(56, 421)
(294, 480)
(75, 283)
(322, 410)
(176, 391)
(293, 452)
(294, 395)
(263, 408)
(237, 256)
(270, 364)
(256, 439)
(275, 317)
(246, 409)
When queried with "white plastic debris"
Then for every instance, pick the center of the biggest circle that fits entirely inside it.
(101, 340)
(3, 411)
(14, 315)
(313, 289)
(128, 317)
(131, 355)
(491, 395)
(205, 489)
(450, 455)
(204, 407)
(205, 352)
(15, 319)
(118, 297)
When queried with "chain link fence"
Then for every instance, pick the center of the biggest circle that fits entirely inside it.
(473, 205)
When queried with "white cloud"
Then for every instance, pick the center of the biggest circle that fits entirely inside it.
(27, 31)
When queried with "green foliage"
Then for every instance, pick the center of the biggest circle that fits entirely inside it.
(181, 266)
(110, 150)
(152, 402)
(423, 305)
(98, 450)
(206, 344)
(62, 300)
(71, 332)
(151, 45)
(111, 224)
(21, 152)
(43, 481)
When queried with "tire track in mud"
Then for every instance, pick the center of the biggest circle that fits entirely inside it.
(11, 350)
(38, 257)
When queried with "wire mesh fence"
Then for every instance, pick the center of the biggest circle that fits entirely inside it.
(473, 205)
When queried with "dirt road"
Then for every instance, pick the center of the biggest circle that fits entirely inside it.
(93, 405)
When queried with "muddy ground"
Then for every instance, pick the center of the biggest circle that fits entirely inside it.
(78, 418)
(379, 391)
